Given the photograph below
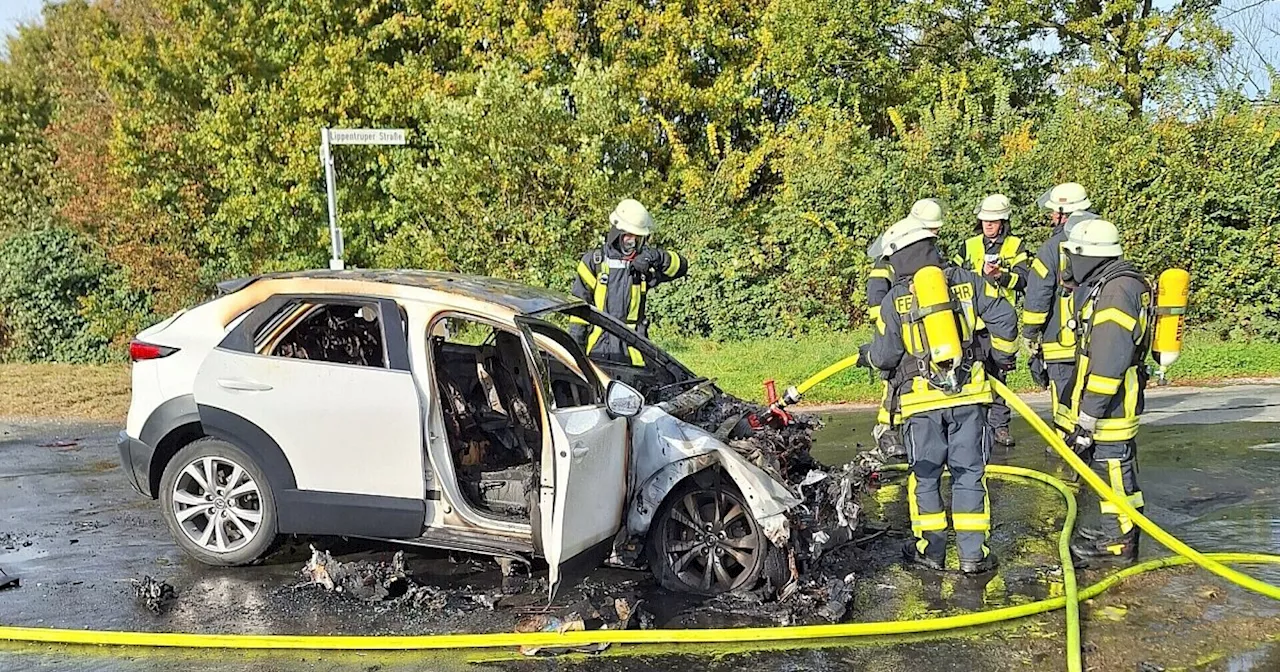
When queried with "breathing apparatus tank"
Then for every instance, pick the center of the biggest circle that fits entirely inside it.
(939, 333)
(1171, 309)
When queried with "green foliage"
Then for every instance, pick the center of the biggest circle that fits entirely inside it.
(26, 160)
(773, 139)
(53, 284)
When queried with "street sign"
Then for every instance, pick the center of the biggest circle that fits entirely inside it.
(347, 136)
(366, 136)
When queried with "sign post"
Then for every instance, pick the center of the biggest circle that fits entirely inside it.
(347, 136)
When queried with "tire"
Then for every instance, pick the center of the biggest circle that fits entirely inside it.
(741, 556)
(209, 526)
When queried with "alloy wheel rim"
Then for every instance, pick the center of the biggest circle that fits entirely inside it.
(711, 541)
(217, 504)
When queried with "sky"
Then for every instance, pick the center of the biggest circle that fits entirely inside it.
(14, 12)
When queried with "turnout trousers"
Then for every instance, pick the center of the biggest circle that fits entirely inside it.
(998, 413)
(1117, 464)
(959, 440)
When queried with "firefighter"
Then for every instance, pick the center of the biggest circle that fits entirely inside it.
(997, 255)
(616, 278)
(927, 212)
(1111, 321)
(1048, 305)
(927, 342)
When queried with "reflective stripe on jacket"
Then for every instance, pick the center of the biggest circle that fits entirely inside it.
(1113, 325)
(1047, 305)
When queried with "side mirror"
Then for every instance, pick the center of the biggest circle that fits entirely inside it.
(622, 400)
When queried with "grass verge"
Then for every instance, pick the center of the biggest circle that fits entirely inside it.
(65, 391)
(101, 393)
(741, 367)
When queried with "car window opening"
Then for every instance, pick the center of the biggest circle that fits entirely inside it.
(657, 376)
(337, 333)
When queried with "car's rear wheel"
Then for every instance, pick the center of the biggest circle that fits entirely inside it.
(704, 540)
(218, 503)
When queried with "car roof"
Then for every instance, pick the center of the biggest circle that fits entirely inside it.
(512, 295)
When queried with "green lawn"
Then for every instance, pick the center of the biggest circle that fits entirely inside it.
(742, 367)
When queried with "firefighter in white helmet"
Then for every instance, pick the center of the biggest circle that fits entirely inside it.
(928, 214)
(926, 341)
(616, 278)
(997, 255)
(1112, 321)
(1048, 305)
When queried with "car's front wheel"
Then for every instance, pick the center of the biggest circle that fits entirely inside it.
(218, 503)
(704, 540)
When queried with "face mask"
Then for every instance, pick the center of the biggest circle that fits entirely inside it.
(1064, 268)
(630, 244)
(1078, 268)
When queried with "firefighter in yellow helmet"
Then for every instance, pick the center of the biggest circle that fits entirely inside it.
(997, 255)
(1048, 305)
(616, 278)
(927, 213)
(927, 343)
(1112, 323)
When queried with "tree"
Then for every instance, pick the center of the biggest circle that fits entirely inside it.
(1128, 49)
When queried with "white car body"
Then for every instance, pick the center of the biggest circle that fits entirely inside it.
(362, 451)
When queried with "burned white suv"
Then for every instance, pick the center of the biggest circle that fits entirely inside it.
(442, 410)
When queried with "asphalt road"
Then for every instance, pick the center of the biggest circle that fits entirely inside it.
(75, 531)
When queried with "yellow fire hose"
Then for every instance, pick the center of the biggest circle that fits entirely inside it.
(1167, 540)
(826, 373)
(1186, 555)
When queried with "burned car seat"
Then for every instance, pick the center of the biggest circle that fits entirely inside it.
(493, 449)
(506, 363)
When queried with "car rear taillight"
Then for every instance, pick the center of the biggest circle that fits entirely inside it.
(141, 352)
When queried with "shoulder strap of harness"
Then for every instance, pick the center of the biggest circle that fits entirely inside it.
(1083, 322)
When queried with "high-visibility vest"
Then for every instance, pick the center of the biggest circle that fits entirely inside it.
(1011, 254)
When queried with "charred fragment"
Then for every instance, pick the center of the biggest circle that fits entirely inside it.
(830, 513)
(153, 594)
(388, 582)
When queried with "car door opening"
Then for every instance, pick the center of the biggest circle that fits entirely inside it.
(492, 422)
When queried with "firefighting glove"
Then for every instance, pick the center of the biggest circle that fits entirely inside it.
(864, 355)
(1039, 372)
(1080, 439)
(647, 260)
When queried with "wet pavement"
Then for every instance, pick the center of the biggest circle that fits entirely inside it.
(1210, 470)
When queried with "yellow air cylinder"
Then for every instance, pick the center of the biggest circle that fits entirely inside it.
(1171, 310)
(933, 300)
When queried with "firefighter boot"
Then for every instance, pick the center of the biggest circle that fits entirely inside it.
(979, 566)
(1105, 551)
(911, 553)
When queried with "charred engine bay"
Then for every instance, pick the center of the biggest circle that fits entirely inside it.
(822, 556)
